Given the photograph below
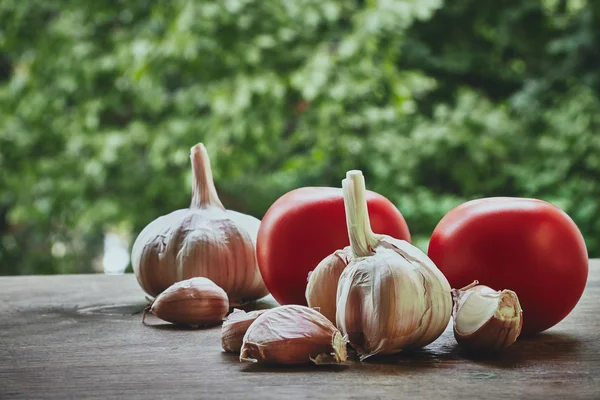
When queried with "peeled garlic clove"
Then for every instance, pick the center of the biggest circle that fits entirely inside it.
(391, 296)
(204, 240)
(293, 334)
(235, 327)
(323, 282)
(485, 319)
(195, 302)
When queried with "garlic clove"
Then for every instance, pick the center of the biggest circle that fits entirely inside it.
(293, 334)
(391, 296)
(234, 328)
(194, 302)
(204, 240)
(485, 319)
(321, 289)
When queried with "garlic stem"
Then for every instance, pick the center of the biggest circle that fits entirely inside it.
(362, 238)
(147, 310)
(204, 193)
(469, 286)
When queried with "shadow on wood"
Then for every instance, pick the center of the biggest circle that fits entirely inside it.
(286, 369)
(113, 309)
(167, 326)
(545, 347)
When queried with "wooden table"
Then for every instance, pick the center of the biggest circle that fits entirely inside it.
(80, 336)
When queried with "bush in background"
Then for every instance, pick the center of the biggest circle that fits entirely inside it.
(437, 104)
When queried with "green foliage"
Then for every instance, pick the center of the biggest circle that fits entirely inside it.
(537, 62)
(100, 102)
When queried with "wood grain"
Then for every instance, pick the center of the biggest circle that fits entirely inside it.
(79, 337)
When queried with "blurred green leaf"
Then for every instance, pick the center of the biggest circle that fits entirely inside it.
(436, 103)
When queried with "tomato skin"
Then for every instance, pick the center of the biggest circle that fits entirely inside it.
(526, 245)
(306, 225)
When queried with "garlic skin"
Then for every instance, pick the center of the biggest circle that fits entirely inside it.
(204, 240)
(391, 296)
(234, 328)
(486, 319)
(321, 289)
(194, 302)
(292, 335)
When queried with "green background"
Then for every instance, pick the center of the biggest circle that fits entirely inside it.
(437, 102)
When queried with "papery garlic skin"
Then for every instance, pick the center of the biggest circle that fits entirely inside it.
(291, 335)
(486, 319)
(321, 290)
(391, 296)
(194, 302)
(391, 302)
(234, 328)
(205, 240)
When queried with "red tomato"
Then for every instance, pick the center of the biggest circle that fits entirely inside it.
(525, 245)
(306, 225)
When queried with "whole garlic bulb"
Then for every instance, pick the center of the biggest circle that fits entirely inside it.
(391, 296)
(205, 240)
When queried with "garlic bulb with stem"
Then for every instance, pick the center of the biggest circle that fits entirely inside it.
(391, 296)
(486, 319)
(322, 284)
(203, 240)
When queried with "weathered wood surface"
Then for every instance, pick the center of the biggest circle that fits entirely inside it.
(67, 337)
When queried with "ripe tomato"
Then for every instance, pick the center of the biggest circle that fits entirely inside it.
(306, 225)
(525, 245)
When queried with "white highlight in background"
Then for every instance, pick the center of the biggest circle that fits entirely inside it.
(116, 255)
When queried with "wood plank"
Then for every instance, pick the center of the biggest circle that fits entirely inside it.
(77, 336)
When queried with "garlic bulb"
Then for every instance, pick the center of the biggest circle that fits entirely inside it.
(391, 296)
(485, 319)
(234, 328)
(322, 284)
(195, 302)
(204, 240)
(293, 334)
